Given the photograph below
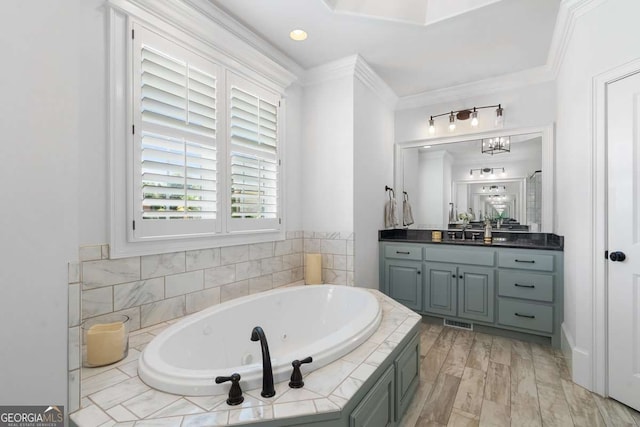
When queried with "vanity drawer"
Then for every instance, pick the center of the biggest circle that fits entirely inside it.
(525, 315)
(525, 261)
(522, 284)
(403, 252)
(474, 256)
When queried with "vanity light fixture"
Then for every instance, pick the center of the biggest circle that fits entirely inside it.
(501, 144)
(484, 171)
(465, 114)
(496, 188)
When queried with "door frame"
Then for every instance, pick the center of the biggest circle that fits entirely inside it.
(600, 374)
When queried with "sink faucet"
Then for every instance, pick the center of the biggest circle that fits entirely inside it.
(464, 227)
(267, 372)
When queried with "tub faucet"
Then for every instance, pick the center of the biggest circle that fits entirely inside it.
(267, 372)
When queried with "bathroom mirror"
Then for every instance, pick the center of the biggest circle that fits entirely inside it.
(451, 181)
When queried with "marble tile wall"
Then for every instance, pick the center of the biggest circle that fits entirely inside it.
(155, 288)
(337, 249)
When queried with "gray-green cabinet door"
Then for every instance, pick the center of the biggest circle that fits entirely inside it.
(407, 367)
(404, 282)
(377, 408)
(440, 293)
(475, 293)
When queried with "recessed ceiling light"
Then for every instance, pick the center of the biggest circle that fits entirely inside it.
(298, 35)
(426, 146)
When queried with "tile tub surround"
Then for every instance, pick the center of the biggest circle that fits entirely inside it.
(156, 288)
(115, 393)
(337, 249)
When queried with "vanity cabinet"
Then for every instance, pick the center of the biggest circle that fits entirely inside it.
(404, 280)
(508, 288)
(529, 294)
(403, 274)
(463, 291)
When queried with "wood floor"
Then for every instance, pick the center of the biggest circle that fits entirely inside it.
(474, 379)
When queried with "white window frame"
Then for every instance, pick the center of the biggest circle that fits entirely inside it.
(122, 21)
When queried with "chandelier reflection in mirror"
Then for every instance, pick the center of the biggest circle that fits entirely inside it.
(465, 114)
(501, 144)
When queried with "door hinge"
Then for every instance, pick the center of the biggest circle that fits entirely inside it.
(279, 103)
(133, 129)
(134, 224)
(279, 162)
(606, 254)
(133, 33)
(279, 220)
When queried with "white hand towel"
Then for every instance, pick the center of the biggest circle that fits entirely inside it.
(407, 213)
(390, 214)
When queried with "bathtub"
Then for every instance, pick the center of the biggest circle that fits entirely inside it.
(322, 321)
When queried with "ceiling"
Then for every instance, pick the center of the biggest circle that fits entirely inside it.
(484, 40)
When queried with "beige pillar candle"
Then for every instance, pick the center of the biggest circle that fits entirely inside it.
(313, 269)
(106, 343)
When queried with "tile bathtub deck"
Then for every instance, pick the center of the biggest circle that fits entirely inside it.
(115, 395)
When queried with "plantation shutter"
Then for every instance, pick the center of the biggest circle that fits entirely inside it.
(175, 139)
(254, 156)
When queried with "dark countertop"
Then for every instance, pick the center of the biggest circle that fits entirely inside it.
(501, 239)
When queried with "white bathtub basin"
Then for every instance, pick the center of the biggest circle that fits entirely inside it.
(322, 321)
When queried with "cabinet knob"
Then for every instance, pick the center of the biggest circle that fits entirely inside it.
(419, 272)
(461, 277)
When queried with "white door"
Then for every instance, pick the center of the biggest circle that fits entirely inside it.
(623, 217)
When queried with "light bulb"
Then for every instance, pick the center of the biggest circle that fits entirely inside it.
(432, 127)
(452, 122)
(474, 118)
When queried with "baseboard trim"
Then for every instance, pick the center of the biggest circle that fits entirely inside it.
(579, 360)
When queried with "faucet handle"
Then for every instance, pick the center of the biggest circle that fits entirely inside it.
(296, 375)
(235, 392)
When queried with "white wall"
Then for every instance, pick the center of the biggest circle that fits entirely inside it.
(410, 181)
(39, 220)
(293, 184)
(602, 39)
(373, 169)
(92, 132)
(327, 156)
(527, 106)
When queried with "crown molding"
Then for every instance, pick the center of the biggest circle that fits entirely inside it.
(228, 22)
(218, 31)
(478, 88)
(333, 70)
(568, 14)
(374, 82)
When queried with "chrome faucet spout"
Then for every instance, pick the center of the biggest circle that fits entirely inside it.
(267, 371)
(464, 227)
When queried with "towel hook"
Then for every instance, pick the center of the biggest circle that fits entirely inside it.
(406, 196)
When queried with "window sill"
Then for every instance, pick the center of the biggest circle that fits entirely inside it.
(122, 248)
